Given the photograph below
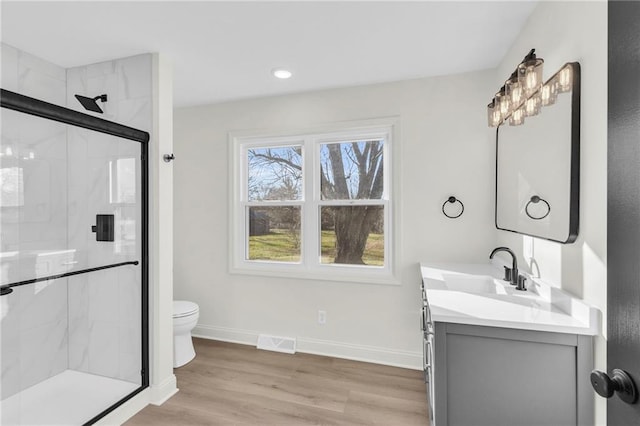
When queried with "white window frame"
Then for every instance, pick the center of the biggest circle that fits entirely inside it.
(311, 140)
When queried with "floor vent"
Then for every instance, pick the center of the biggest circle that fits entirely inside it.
(277, 343)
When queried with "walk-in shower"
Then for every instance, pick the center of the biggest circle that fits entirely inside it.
(73, 264)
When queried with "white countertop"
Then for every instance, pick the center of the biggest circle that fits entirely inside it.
(541, 308)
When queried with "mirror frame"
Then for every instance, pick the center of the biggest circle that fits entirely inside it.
(574, 186)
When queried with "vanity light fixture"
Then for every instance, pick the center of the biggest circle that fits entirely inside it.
(524, 93)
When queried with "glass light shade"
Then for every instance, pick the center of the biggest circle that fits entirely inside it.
(503, 102)
(493, 115)
(532, 105)
(565, 80)
(517, 118)
(514, 91)
(530, 75)
(549, 93)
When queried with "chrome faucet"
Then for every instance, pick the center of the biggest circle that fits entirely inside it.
(512, 274)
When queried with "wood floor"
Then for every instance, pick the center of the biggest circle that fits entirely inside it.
(229, 384)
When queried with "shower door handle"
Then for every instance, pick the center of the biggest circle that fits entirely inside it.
(104, 227)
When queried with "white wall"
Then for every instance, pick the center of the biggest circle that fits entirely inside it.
(163, 381)
(564, 32)
(444, 151)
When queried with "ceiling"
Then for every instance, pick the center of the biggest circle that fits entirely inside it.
(226, 50)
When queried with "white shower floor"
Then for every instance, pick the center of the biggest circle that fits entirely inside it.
(69, 398)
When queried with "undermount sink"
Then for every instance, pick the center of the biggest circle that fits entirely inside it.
(476, 294)
(473, 284)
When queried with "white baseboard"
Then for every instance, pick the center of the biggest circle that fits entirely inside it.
(162, 392)
(231, 335)
(373, 354)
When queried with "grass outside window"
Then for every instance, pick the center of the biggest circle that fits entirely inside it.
(281, 245)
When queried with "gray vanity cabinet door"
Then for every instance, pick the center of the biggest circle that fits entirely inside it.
(495, 376)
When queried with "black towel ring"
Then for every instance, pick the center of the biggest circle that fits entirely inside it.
(452, 200)
(535, 200)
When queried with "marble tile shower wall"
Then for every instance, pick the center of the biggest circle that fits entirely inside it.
(104, 306)
(33, 225)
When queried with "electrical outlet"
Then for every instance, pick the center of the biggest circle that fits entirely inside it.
(322, 317)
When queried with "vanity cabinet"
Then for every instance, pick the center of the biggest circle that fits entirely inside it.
(428, 336)
(500, 376)
(496, 356)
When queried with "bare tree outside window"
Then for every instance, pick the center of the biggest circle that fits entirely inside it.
(353, 171)
(274, 178)
(350, 170)
(275, 173)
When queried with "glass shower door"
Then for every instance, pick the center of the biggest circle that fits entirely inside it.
(73, 312)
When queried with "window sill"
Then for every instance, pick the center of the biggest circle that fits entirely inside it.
(328, 273)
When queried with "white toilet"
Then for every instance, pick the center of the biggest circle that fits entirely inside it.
(185, 317)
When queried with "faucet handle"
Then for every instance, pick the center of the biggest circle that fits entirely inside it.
(521, 280)
(507, 273)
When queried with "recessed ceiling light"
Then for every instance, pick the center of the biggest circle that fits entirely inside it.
(281, 73)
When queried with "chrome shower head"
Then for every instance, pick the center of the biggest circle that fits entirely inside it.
(91, 104)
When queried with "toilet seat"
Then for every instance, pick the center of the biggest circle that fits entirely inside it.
(184, 308)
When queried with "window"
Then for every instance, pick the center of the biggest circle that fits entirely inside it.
(314, 205)
(274, 201)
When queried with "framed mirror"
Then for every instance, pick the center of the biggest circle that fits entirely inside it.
(538, 166)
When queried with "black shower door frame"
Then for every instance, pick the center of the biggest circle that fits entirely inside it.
(25, 104)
